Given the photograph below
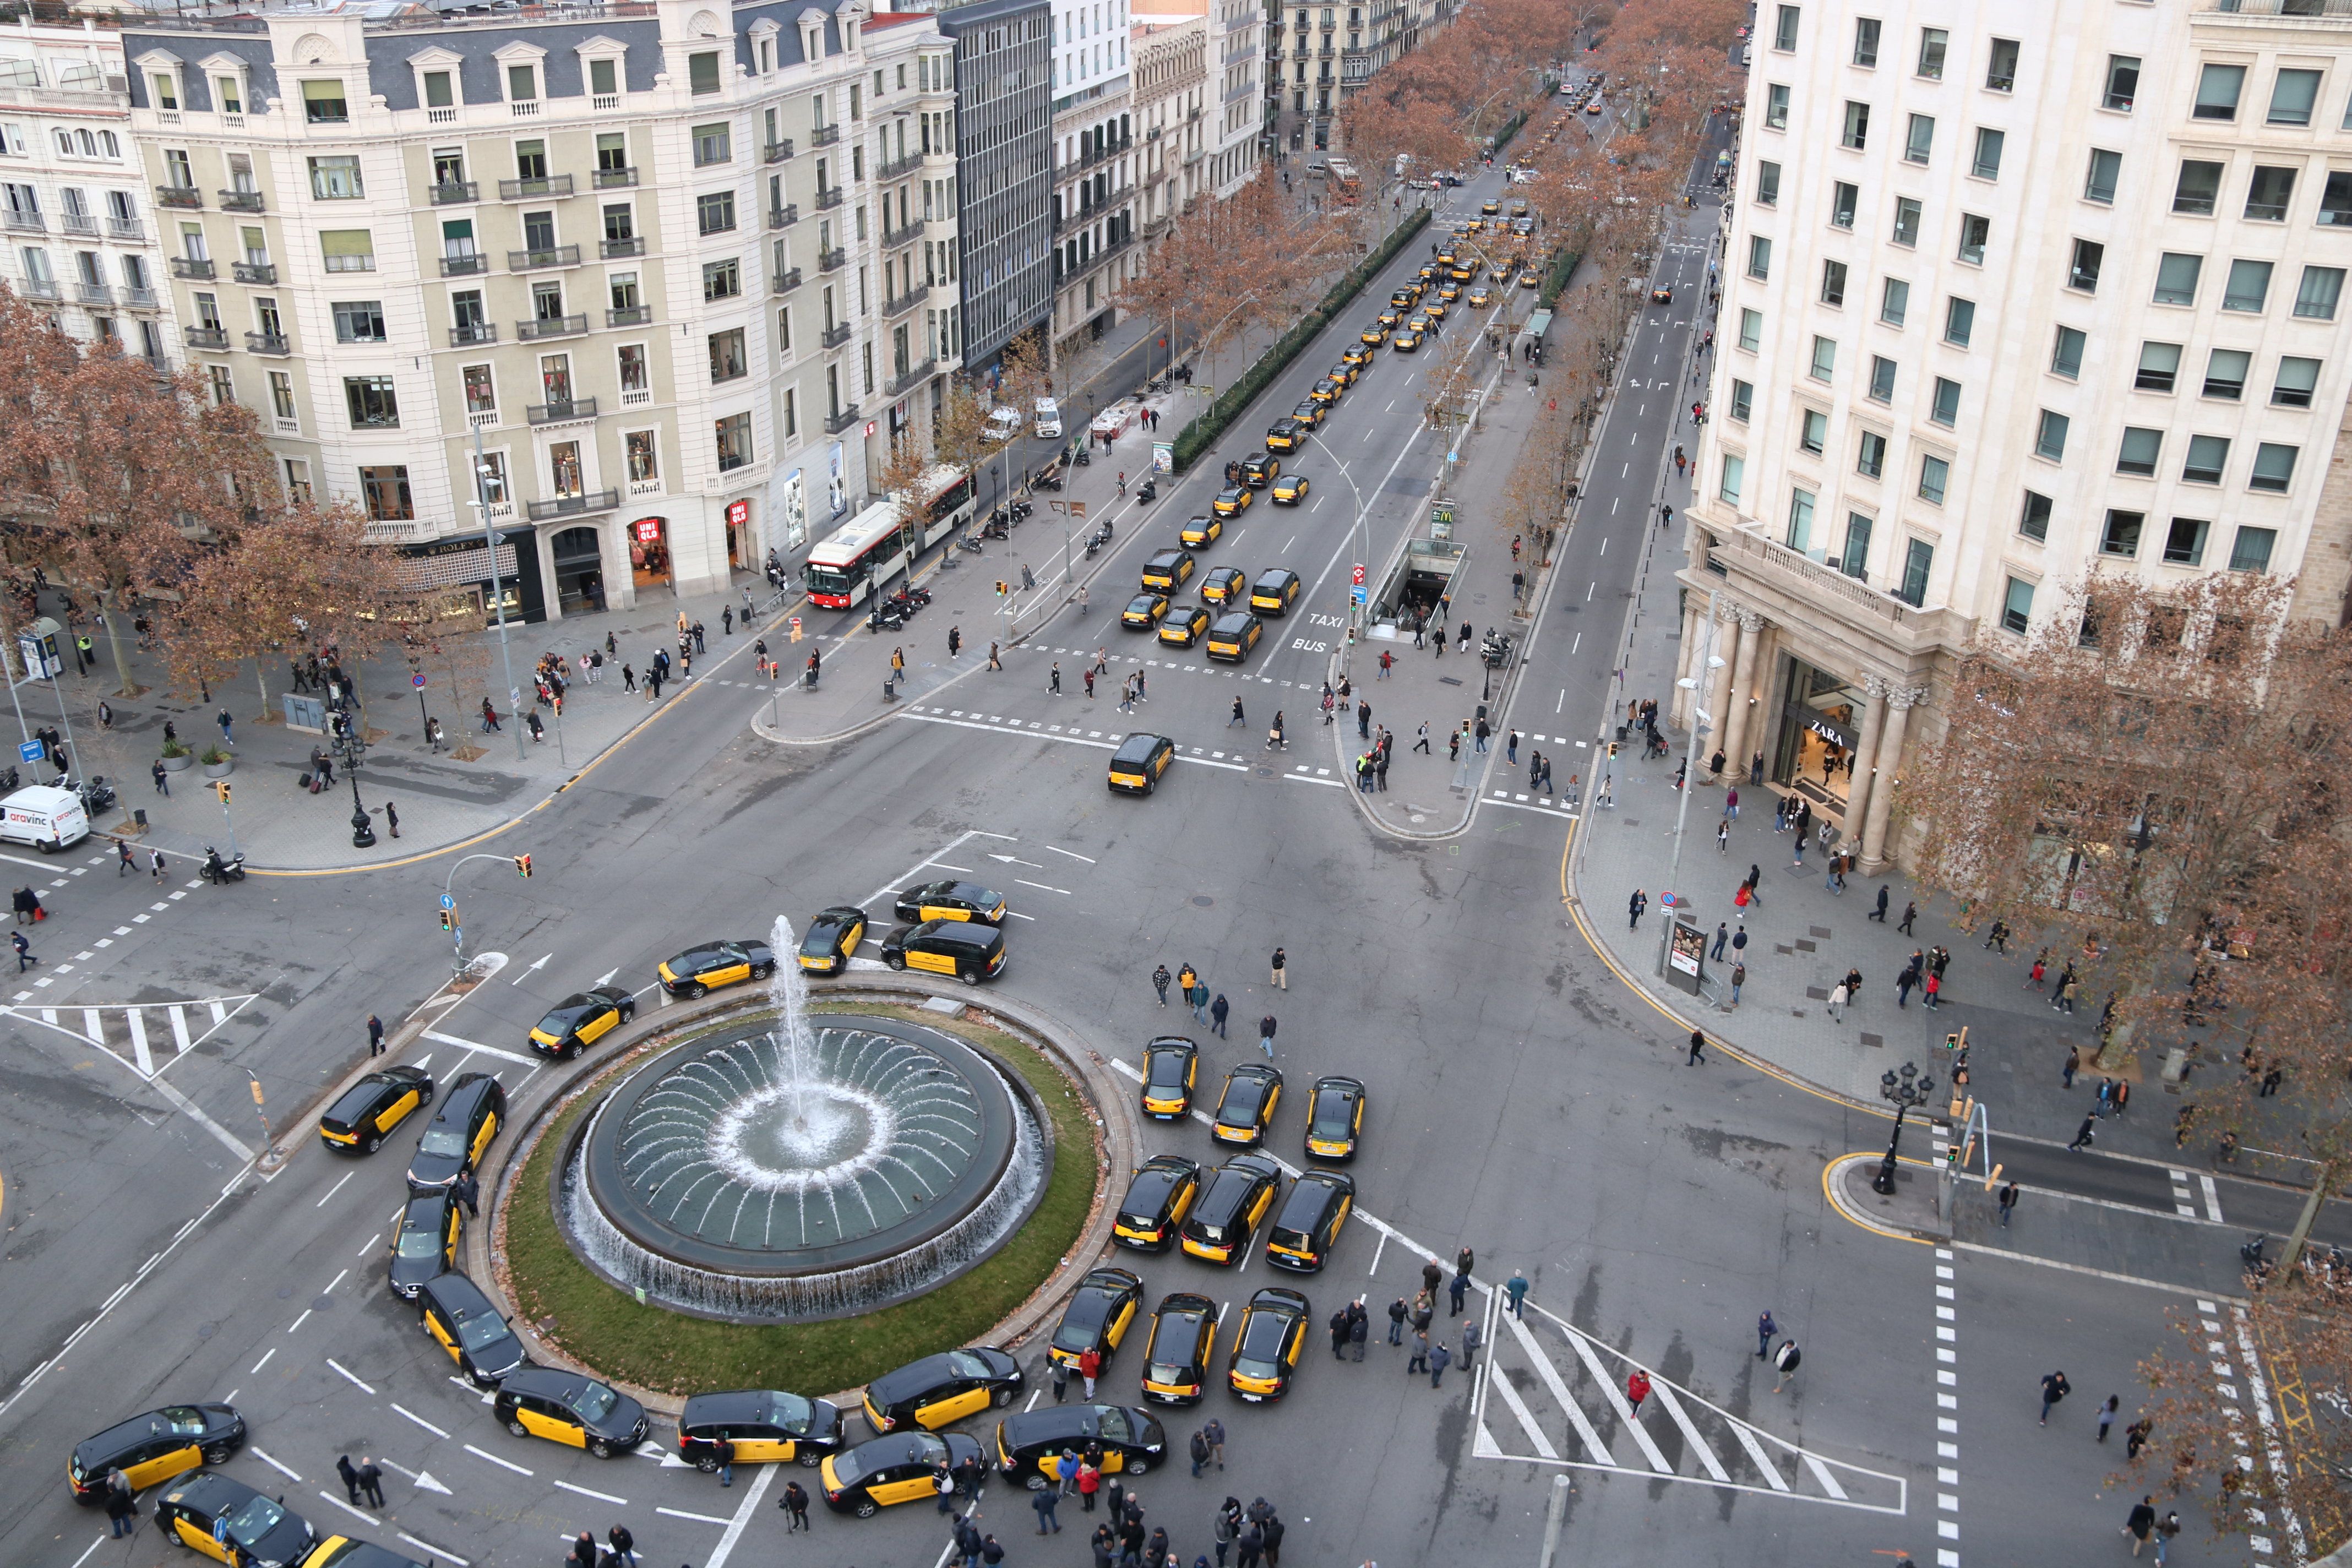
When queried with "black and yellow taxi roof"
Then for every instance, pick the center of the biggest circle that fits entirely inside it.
(1490, 207)
(1234, 1199)
(1138, 763)
(1479, 296)
(1326, 391)
(267, 1535)
(1259, 468)
(1167, 569)
(1275, 591)
(425, 1240)
(1283, 434)
(1529, 278)
(1224, 585)
(1308, 1224)
(1170, 1065)
(1377, 334)
(480, 1339)
(893, 1398)
(342, 1552)
(363, 1113)
(1408, 340)
(595, 1416)
(161, 1442)
(581, 1019)
(1184, 625)
(1246, 1107)
(709, 963)
(1233, 500)
(968, 950)
(1357, 354)
(1131, 1440)
(1233, 634)
(1159, 1197)
(952, 900)
(1266, 1344)
(468, 1119)
(1097, 1316)
(1183, 1342)
(1143, 611)
(832, 939)
(1308, 412)
(1290, 489)
(1451, 291)
(1335, 1117)
(815, 1427)
(1200, 533)
(1387, 322)
(895, 1468)
(1344, 373)
(1435, 308)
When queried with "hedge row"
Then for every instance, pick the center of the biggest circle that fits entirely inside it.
(1555, 283)
(1510, 129)
(1208, 427)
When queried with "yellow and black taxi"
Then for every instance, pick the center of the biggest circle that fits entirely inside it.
(1235, 634)
(1325, 392)
(1404, 299)
(1225, 585)
(950, 901)
(1167, 571)
(1266, 1346)
(1276, 590)
(1307, 1227)
(1183, 1342)
(1335, 1117)
(155, 1448)
(1171, 1064)
(1200, 533)
(1225, 1219)
(1427, 270)
(1489, 207)
(1525, 227)
(832, 939)
(1246, 1107)
(1661, 295)
(1136, 766)
(1450, 292)
(471, 1114)
(1376, 334)
(1592, 106)
(229, 1522)
(362, 1114)
(1233, 500)
(425, 1240)
(1409, 339)
(1308, 412)
(1284, 434)
(1185, 625)
(581, 1019)
(1100, 1313)
(1435, 308)
(1519, 207)
(1130, 1440)
(766, 1426)
(1387, 321)
(1260, 470)
(1463, 271)
(1143, 612)
(1160, 1196)
(1529, 278)
(342, 1552)
(462, 1321)
(1289, 490)
(705, 968)
(1344, 373)
(1480, 298)
(569, 1407)
(1475, 226)
(1357, 354)
(941, 1388)
(967, 950)
(1502, 270)
(903, 1467)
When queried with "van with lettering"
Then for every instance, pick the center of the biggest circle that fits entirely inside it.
(48, 818)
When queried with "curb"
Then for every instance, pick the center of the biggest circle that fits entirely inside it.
(1833, 1188)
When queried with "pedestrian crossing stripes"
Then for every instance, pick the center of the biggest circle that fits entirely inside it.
(147, 1038)
(1549, 1394)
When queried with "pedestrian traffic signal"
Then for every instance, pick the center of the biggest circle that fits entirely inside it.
(448, 919)
(522, 865)
(1612, 748)
(221, 785)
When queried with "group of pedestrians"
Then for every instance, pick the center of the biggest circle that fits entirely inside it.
(1193, 992)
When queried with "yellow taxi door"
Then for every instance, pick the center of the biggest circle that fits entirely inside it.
(433, 1326)
(728, 975)
(162, 1466)
(1117, 1329)
(1257, 1210)
(482, 1139)
(936, 962)
(888, 1492)
(954, 1407)
(554, 1428)
(1181, 1204)
(763, 1450)
(393, 1114)
(596, 1029)
(189, 1534)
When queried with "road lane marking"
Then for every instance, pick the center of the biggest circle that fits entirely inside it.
(1041, 887)
(264, 1361)
(422, 1422)
(273, 1464)
(346, 1373)
(330, 1191)
(514, 1057)
(1071, 853)
(704, 1518)
(486, 1454)
(431, 1549)
(601, 1497)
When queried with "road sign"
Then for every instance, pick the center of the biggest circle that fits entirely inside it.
(1356, 593)
(1356, 574)
(448, 902)
(1666, 900)
(796, 628)
(30, 750)
(417, 681)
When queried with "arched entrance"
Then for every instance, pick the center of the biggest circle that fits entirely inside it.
(579, 559)
(649, 552)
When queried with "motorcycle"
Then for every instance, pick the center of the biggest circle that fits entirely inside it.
(96, 795)
(1049, 482)
(1495, 651)
(969, 542)
(220, 872)
(1094, 542)
(1020, 509)
(2250, 1258)
(904, 606)
(1086, 457)
(917, 592)
(1147, 491)
(885, 618)
(995, 529)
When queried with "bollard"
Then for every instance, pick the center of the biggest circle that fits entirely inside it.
(1555, 1516)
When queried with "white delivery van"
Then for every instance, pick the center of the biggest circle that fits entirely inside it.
(49, 819)
(1049, 420)
(1004, 423)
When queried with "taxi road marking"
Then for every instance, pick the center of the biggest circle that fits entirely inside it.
(330, 1191)
(418, 1419)
(348, 1509)
(1040, 886)
(520, 1060)
(484, 1453)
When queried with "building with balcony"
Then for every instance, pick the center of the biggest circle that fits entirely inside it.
(1172, 83)
(1003, 174)
(1234, 99)
(2014, 298)
(1316, 56)
(570, 240)
(79, 223)
(1094, 167)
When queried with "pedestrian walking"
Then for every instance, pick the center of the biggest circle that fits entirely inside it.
(624, 1545)
(1160, 981)
(1765, 1329)
(228, 738)
(1419, 1360)
(2054, 1387)
(955, 642)
(1218, 1009)
(156, 864)
(2083, 1135)
(2166, 1528)
(1199, 998)
(2008, 1203)
(2139, 1522)
(1396, 1321)
(467, 1191)
(375, 1036)
(1785, 1362)
(371, 1482)
(1697, 1056)
(163, 778)
(1910, 914)
(1837, 1001)
(1281, 971)
(1266, 1036)
(1637, 1389)
(1515, 1291)
(2136, 1437)
(24, 958)
(1636, 907)
(1440, 1358)
(1045, 1501)
(1932, 990)
(351, 1474)
(1215, 1433)
(1738, 979)
(392, 818)
(723, 1450)
(2107, 1416)
(1879, 914)
(2073, 1065)
(122, 1506)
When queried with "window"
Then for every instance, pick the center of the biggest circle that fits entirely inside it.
(1833, 282)
(1906, 221)
(2050, 437)
(167, 89)
(1933, 43)
(712, 144)
(1751, 329)
(1986, 165)
(439, 93)
(721, 279)
(2297, 380)
(2082, 273)
(1825, 358)
(1857, 126)
(1870, 455)
(1855, 558)
(2314, 298)
(727, 358)
(2139, 450)
(2017, 607)
(2207, 457)
(1882, 379)
(1813, 431)
(346, 249)
(322, 103)
(2066, 352)
(1918, 558)
(2269, 192)
(386, 493)
(2225, 373)
(1944, 409)
(604, 78)
(1974, 233)
(622, 288)
(2184, 541)
(2198, 188)
(702, 72)
(2252, 550)
(1843, 200)
(715, 211)
(1768, 183)
(336, 179)
(1743, 399)
(1776, 107)
(2273, 467)
(2336, 200)
(620, 222)
(481, 390)
(2158, 365)
(1734, 469)
(531, 160)
(2099, 180)
(1935, 473)
(734, 441)
(644, 462)
(2175, 277)
(2293, 94)
(1865, 41)
(2033, 518)
(224, 387)
(1893, 302)
(2218, 87)
(1784, 32)
(2000, 65)
(281, 393)
(359, 322)
(1759, 256)
(2249, 286)
(1918, 138)
(1959, 321)
(2121, 535)
(523, 84)
(372, 402)
(1801, 518)
(2123, 82)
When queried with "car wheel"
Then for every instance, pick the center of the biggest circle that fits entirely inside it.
(811, 1461)
(628, 1012)
(1137, 1466)
(1000, 1398)
(1035, 1483)
(697, 991)
(866, 1508)
(46, 846)
(896, 960)
(517, 1428)
(969, 977)
(425, 1095)
(374, 1143)
(708, 1466)
(218, 1453)
(172, 1534)
(761, 971)
(601, 1448)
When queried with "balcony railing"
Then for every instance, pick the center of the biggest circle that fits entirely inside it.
(140, 299)
(535, 261)
(207, 337)
(892, 239)
(25, 222)
(825, 136)
(194, 267)
(572, 505)
(464, 265)
(632, 245)
(42, 289)
(901, 384)
(783, 217)
(94, 293)
(841, 421)
(466, 333)
(614, 179)
(262, 272)
(242, 202)
(79, 223)
(786, 282)
(898, 166)
(551, 327)
(629, 316)
(178, 197)
(450, 192)
(557, 413)
(831, 260)
(529, 190)
(267, 343)
(905, 302)
(831, 196)
(2339, 10)
(834, 337)
(778, 149)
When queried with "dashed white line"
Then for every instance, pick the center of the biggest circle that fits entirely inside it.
(264, 1361)
(346, 1373)
(701, 1518)
(273, 1464)
(422, 1422)
(486, 1454)
(601, 1497)
(431, 1549)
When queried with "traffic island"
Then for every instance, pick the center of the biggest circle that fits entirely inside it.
(1908, 1213)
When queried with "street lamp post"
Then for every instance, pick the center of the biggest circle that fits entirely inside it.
(449, 902)
(352, 746)
(1357, 615)
(497, 593)
(1710, 662)
(1912, 1088)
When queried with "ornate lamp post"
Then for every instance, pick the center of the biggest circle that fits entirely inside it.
(1912, 1088)
(350, 746)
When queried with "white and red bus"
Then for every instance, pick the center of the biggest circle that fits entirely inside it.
(851, 566)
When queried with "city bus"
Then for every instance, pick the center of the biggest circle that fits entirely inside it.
(846, 569)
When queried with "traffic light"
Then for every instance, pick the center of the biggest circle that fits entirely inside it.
(448, 919)
(1612, 748)
(1003, 588)
(221, 785)
(522, 865)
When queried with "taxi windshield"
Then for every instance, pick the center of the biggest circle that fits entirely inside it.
(595, 1402)
(1209, 1233)
(789, 1411)
(1331, 1116)
(182, 1421)
(963, 1363)
(487, 1329)
(254, 1518)
(416, 1241)
(1112, 1424)
(444, 1140)
(1077, 1332)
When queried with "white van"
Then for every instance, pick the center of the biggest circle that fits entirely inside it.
(1049, 420)
(47, 819)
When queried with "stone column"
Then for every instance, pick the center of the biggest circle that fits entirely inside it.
(1734, 725)
(1688, 659)
(1900, 700)
(1717, 683)
(1859, 782)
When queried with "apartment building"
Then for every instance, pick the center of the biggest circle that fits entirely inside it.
(1095, 165)
(80, 230)
(654, 263)
(2014, 296)
(1171, 82)
(1004, 125)
(1236, 105)
(1317, 56)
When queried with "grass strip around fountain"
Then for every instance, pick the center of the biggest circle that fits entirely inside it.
(670, 1353)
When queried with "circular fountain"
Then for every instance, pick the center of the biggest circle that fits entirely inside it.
(779, 1167)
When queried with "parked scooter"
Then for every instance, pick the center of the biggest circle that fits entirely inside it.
(220, 872)
(96, 795)
(969, 542)
(2252, 1259)
(885, 618)
(1495, 651)
(1148, 489)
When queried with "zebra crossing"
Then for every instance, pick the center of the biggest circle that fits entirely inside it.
(1549, 1394)
(147, 1038)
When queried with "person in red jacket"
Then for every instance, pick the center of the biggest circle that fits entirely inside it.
(1637, 1389)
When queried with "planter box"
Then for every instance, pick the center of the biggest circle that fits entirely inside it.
(221, 769)
(178, 764)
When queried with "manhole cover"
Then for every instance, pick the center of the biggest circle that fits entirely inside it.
(322, 1303)
(1265, 773)
(1204, 903)
(284, 1291)
(206, 1330)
